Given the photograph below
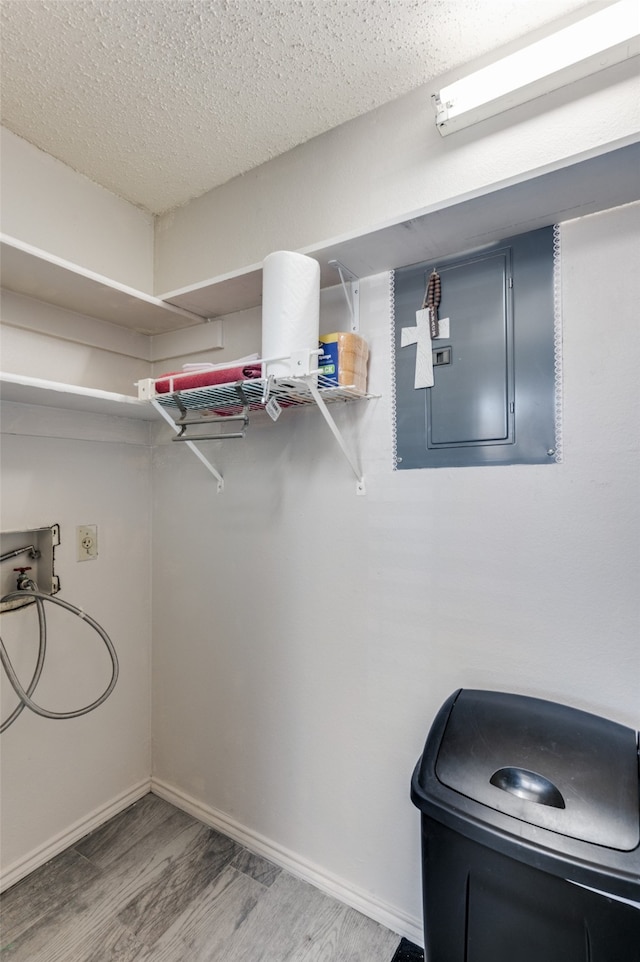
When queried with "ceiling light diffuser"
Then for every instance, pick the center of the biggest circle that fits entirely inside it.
(607, 37)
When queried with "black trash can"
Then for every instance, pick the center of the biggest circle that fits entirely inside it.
(530, 833)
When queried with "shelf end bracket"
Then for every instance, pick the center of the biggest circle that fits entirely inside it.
(198, 453)
(360, 485)
(351, 287)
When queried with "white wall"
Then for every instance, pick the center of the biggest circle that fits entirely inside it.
(387, 166)
(51, 206)
(59, 778)
(304, 637)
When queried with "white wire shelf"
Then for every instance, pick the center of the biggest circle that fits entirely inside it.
(289, 392)
(232, 401)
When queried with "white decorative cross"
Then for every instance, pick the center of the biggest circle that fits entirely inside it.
(421, 336)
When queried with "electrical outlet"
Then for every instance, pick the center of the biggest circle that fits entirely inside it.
(87, 542)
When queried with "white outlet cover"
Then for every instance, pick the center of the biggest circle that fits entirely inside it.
(87, 542)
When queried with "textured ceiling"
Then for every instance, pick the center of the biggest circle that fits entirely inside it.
(161, 100)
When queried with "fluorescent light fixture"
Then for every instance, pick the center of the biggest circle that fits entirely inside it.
(598, 41)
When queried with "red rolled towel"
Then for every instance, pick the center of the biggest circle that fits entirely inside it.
(183, 380)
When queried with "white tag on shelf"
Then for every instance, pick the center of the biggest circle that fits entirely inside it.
(273, 409)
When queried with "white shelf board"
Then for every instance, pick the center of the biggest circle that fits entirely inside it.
(31, 390)
(582, 187)
(226, 294)
(28, 270)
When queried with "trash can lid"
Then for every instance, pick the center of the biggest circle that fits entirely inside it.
(556, 767)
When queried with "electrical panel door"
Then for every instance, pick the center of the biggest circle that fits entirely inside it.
(493, 399)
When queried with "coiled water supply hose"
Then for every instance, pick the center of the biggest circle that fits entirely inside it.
(23, 694)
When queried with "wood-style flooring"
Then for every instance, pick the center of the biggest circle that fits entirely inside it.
(156, 885)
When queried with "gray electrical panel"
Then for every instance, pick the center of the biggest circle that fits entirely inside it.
(493, 399)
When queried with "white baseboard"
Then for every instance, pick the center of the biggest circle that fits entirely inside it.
(38, 856)
(369, 905)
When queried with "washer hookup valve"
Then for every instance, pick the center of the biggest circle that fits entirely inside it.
(24, 582)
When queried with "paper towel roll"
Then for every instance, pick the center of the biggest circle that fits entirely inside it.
(290, 307)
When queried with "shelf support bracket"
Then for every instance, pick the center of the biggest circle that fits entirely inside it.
(351, 287)
(198, 453)
(317, 397)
